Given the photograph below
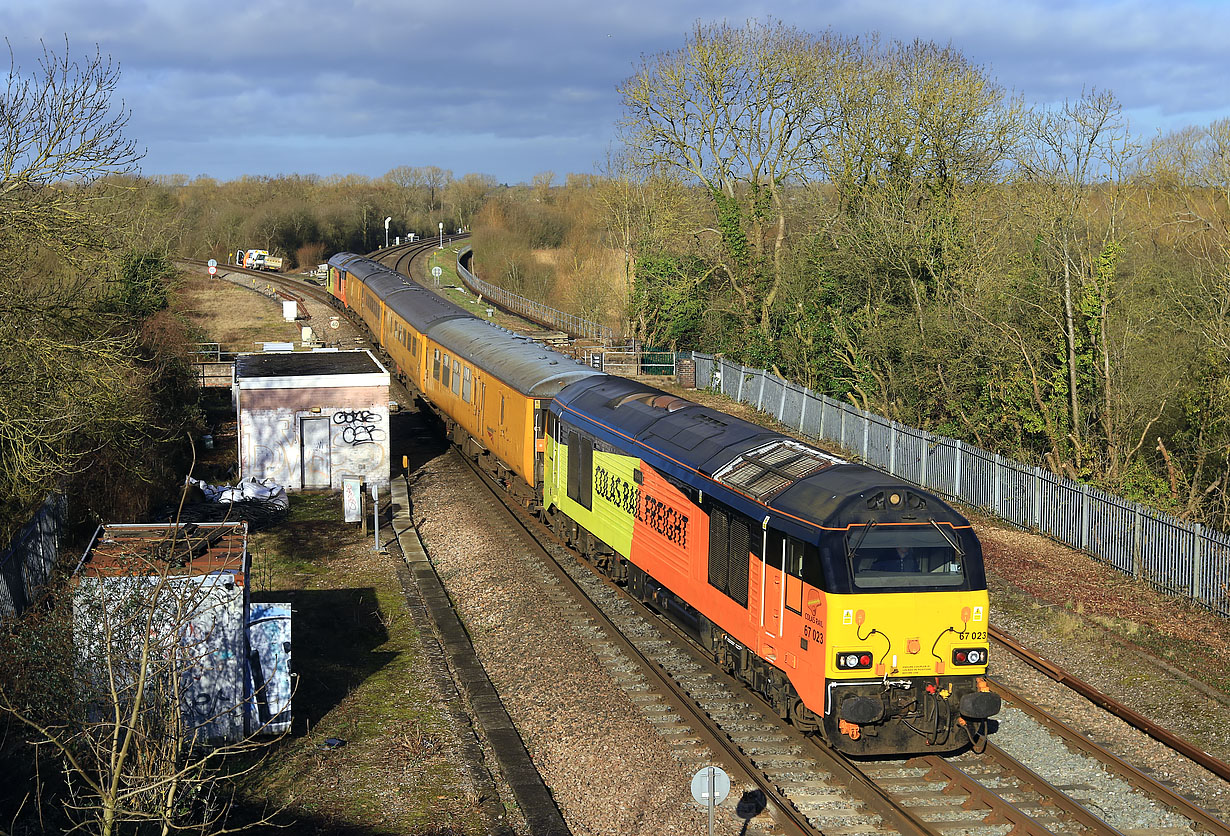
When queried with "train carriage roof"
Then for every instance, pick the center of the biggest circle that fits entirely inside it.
(530, 368)
(342, 260)
(385, 282)
(755, 464)
(421, 308)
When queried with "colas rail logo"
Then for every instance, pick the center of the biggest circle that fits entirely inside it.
(645, 508)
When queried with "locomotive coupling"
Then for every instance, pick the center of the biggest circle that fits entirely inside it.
(980, 705)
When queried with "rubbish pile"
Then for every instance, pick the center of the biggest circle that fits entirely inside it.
(260, 502)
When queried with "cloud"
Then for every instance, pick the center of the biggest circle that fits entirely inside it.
(231, 87)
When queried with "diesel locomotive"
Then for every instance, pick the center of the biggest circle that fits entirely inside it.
(854, 603)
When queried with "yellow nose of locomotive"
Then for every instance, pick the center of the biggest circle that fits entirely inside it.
(904, 635)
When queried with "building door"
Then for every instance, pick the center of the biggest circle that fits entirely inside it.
(315, 436)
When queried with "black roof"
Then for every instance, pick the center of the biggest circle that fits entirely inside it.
(304, 364)
(752, 467)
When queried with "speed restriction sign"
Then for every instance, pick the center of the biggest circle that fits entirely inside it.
(213, 266)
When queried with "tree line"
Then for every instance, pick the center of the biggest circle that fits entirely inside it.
(307, 218)
(885, 223)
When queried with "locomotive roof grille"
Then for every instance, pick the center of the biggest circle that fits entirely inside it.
(766, 471)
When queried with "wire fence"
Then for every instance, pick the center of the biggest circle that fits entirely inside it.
(27, 562)
(1177, 557)
(542, 314)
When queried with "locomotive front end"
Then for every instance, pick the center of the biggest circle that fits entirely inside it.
(907, 645)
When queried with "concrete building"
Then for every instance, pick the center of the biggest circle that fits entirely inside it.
(309, 418)
(165, 611)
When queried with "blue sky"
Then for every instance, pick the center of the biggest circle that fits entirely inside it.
(267, 87)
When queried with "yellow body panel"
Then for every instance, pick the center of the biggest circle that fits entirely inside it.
(498, 416)
(609, 516)
(915, 634)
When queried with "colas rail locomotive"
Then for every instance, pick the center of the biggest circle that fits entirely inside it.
(855, 603)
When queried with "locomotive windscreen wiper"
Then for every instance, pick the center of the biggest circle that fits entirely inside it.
(951, 542)
(863, 536)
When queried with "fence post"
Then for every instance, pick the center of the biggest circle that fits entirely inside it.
(998, 502)
(1197, 566)
(742, 374)
(1036, 511)
(892, 448)
(1138, 557)
(1084, 517)
(803, 409)
(866, 433)
(823, 404)
(924, 456)
(781, 407)
(764, 377)
(956, 487)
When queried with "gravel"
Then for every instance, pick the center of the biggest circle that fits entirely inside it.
(611, 772)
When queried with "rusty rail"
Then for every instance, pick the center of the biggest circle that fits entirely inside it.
(1138, 721)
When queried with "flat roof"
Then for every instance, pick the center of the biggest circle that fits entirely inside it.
(305, 364)
(188, 549)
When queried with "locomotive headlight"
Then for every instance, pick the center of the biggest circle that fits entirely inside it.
(969, 656)
(854, 661)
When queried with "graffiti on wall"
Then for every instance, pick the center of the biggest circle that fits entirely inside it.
(359, 426)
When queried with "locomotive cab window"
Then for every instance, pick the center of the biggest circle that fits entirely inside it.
(896, 557)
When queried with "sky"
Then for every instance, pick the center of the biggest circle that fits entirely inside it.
(512, 89)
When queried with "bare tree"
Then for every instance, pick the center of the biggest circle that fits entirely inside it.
(153, 703)
(60, 133)
(735, 110)
(1073, 157)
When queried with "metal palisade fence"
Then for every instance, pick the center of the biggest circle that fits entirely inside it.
(538, 312)
(1174, 556)
(27, 562)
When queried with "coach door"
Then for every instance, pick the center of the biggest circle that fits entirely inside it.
(315, 437)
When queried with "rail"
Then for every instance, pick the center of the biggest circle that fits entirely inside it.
(1176, 557)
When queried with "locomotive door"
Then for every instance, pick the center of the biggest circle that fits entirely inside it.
(773, 593)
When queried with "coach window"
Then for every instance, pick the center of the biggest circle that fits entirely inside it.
(456, 376)
(435, 366)
(446, 373)
(465, 384)
(501, 410)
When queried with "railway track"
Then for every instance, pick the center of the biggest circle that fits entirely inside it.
(808, 788)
